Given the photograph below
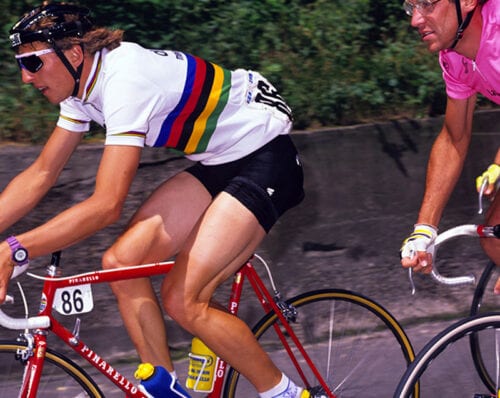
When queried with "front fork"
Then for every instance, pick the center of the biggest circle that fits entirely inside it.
(32, 357)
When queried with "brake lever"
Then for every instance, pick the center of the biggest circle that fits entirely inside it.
(484, 185)
(412, 282)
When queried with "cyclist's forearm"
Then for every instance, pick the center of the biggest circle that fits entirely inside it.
(101, 209)
(70, 226)
(444, 168)
(21, 195)
(497, 157)
(24, 192)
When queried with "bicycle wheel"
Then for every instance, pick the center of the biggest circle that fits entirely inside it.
(355, 344)
(443, 367)
(61, 377)
(484, 300)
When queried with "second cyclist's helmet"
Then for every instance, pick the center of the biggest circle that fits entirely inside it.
(63, 20)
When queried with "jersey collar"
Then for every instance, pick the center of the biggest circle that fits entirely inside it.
(93, 76)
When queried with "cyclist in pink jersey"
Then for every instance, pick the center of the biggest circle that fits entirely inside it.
(211, 216)
(466, 33)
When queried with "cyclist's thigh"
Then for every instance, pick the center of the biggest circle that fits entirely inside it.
(164, 221)
(226, 237)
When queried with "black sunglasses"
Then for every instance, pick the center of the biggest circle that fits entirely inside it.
(31, 61)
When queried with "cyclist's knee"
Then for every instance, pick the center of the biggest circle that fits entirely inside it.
(112, 259)
(173, 303)
(184, 311)
(109, 260)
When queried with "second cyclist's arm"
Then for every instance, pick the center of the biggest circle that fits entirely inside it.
(497, 157)
(447, 158)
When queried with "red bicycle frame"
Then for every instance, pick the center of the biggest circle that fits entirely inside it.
(51, 284)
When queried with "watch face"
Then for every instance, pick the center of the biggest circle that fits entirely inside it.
(20, 255)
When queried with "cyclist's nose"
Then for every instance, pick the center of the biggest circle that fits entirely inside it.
(26, 76)
(416, 19)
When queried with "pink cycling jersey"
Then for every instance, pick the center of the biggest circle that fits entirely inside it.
(465, 77)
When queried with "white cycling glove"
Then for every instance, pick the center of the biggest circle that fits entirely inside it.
(421, 240)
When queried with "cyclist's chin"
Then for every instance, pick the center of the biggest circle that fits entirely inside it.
(54, 98)
(430, 39)
(432, 45)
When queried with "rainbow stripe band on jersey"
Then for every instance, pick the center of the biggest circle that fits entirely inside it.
(190, 125)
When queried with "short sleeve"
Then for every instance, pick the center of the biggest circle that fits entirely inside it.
(70, 118)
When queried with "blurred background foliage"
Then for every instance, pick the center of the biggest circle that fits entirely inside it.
(335, 62)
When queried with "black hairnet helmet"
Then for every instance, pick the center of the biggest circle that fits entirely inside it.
(23, 31)
(65, 20)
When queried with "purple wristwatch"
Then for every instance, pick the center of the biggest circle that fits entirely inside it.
(19, 253)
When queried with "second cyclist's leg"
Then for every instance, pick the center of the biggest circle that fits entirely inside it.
(153, 235)
(492, 246)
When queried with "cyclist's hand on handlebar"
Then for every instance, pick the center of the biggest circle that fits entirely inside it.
(6, 269)
(492, 175)
(416, 251)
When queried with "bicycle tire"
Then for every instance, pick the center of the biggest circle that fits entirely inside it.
(358, 314)
(483, 287)
(441, 354)
(61, 377)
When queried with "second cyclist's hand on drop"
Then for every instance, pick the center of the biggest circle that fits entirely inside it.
(492, 174)
(416, 251)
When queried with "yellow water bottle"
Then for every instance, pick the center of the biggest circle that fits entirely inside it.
(202, 365)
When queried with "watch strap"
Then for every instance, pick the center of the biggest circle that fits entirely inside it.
(19, 253)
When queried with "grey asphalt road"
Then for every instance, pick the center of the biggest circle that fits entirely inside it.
(363, 189)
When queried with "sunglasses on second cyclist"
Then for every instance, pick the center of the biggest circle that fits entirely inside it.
(424, 7)
(31, 61)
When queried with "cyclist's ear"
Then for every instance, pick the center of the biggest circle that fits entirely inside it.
(75, 55)
(469, 5)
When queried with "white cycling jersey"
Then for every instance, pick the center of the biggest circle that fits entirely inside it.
(173, 99)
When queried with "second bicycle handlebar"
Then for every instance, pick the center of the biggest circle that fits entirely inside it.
(473, 230)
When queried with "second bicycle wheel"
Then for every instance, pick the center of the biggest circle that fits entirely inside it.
(356, 345)
(484, 300)
(61, 378)
(444, 367)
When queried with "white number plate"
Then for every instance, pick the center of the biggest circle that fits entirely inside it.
(74, 300)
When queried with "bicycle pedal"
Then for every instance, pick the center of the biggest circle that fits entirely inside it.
(315, 392)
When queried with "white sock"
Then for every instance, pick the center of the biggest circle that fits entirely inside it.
(284, 389)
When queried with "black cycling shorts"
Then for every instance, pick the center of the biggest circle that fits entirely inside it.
(268, 182)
